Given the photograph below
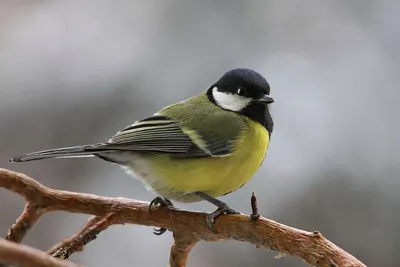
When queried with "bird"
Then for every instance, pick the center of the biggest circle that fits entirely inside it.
(202, 148)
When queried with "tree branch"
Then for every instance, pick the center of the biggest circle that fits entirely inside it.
(25, 256)
(312, 247)
(184, 242)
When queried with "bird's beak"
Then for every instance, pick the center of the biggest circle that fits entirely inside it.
(265, 99)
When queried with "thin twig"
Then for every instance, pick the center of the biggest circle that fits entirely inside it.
(313, 248)
(254, 208)
(79, 241)
(21, 226)
(92, 220)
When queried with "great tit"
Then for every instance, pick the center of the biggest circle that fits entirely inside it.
(204, 147)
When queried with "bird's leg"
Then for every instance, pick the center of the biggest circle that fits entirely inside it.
(223, 208)
(161, 201)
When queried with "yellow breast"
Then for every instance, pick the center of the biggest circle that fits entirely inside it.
(175, 177)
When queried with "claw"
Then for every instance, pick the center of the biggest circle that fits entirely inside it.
(159, 231)
(160, 201)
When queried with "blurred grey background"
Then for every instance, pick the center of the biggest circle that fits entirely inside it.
(74, 72)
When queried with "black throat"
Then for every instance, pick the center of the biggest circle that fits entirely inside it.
(258, 112)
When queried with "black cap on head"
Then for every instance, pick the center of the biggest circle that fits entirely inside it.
(253, 82)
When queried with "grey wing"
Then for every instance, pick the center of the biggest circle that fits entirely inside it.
(155, 134)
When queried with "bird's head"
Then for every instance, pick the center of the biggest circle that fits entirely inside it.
(246, 92)
(239, 89)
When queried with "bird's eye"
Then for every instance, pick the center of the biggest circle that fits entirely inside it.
(241, 91)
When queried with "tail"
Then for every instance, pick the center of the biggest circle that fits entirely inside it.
(66, 152)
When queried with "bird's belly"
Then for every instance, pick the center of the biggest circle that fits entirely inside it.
(178, 178)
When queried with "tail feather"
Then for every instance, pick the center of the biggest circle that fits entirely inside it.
(66, 152)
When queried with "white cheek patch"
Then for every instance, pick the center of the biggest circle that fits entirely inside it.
(230, 101)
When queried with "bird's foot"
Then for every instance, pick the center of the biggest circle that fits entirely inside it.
(160, 201)
(223, 209)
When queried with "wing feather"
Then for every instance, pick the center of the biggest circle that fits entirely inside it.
(160, 134)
